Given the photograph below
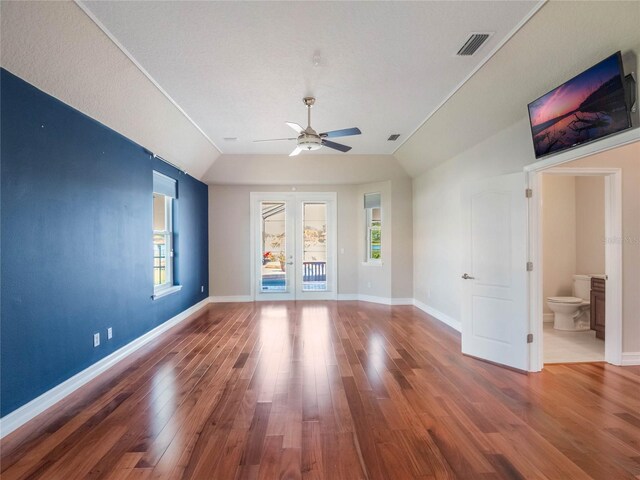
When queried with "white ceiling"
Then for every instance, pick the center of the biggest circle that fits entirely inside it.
(559, 42)
(240, 69)
(58, 49)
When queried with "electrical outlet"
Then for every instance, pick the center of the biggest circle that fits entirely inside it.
(201, 288)
(342, 251)
(368, 284)
(109, 333)
(96, 339)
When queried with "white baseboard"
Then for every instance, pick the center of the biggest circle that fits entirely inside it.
(22, 415)
(347, 297)
(340, 297)
(547, 317)
(630, 358)
(374, 299)
(231, 299)
(402, 301)
(438, 315)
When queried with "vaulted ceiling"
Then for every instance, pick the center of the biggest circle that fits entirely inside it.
(240, 69)
(180, 78)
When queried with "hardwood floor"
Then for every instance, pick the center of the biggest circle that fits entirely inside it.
(326, 390)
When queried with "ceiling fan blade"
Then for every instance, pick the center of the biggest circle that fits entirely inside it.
(295, 152)
(295, 126)
(345, 132)
(274, 139)
(335, 146)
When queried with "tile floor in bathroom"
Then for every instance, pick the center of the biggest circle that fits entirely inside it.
(566, 347)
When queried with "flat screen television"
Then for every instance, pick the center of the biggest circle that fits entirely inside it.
(588, 107)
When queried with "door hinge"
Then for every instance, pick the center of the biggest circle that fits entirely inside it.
(528, 193)
(529, 266)
(530, 338)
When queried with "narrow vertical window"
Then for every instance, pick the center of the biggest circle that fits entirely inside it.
(373, 214)
(164, 193)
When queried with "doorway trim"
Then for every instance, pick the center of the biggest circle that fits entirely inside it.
(332, 238)
(613, 260)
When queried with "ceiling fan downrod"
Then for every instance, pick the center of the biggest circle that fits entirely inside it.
(309, 102)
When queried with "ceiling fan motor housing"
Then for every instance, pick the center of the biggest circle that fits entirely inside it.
(309, 141)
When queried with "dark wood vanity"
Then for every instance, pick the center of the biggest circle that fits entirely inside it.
(597, 306)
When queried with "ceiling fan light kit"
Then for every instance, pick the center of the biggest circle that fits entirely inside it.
(308, 139)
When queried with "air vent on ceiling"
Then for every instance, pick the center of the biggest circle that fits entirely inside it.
(474, 42)
(394, 137)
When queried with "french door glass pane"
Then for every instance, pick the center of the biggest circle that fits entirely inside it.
(314, 262)
(273, 277)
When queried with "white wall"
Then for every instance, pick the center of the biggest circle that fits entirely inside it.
(402, 227)
(437, 219)
(590, 225)
(558, 236)
(437, 211)
(229, 242)
(229, 236)
(495, 100)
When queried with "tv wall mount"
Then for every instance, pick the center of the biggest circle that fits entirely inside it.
(631, 91)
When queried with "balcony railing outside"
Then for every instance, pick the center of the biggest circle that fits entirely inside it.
(314, 271)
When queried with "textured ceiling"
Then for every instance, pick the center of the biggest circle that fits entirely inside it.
(303, 169)
(57, 48)
(240, 69)
(560, 41)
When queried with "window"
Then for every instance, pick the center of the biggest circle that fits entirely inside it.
(373, 212)
(162, 241)
(164, 193)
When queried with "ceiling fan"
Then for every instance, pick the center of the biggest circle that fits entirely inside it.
(308, 139)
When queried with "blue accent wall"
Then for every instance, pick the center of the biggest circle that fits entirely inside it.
(76, 255)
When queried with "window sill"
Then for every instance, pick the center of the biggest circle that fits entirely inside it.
(372, 263)
(166, 291)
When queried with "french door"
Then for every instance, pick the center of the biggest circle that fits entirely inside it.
(293, 246)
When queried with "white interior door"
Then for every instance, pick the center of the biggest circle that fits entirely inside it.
(494, 310)
(293, 246)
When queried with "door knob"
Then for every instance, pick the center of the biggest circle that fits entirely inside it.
(466, 276)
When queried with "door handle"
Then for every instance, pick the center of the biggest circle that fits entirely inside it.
(289, 263)
(466, 276)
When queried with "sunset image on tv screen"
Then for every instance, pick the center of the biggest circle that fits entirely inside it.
(590, 106)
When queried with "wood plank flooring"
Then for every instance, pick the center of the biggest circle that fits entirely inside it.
(331, 390)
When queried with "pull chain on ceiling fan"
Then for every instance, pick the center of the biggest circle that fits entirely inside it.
(308, 139)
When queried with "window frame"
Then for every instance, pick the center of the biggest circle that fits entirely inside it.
(369, 229)
(167, 233)
(168, 286)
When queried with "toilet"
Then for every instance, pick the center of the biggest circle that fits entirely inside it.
(573, 313)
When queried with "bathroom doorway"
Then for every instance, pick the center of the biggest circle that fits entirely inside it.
(573, 266)
(575, 270)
